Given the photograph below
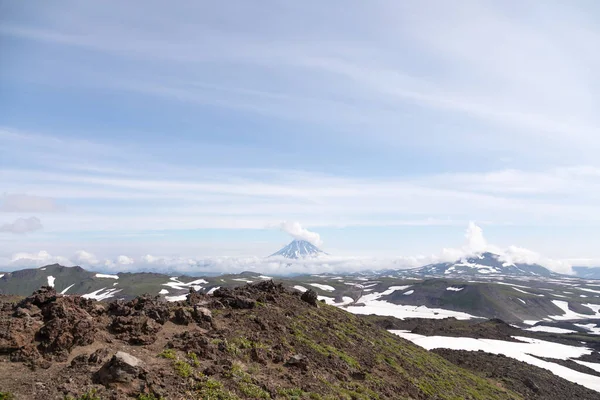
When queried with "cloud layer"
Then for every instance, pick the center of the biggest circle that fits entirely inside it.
(476, 244)
(22, 225)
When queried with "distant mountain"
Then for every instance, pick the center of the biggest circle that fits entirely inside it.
(587, 272)
(480, 265)
(299, 249)
(123, 285)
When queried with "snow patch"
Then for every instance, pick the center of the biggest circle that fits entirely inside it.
(107, 276)
(65, 290)
(99, 295)
(454, 289)
(175, 283)
(408, 293)
(211, 291)
(520, 351)
(531, 294)
(568, 314)
(176, 298)
(384, 308)
(592, 328)
(322, 287)
(163, 291)
(551, 329)
(51, 280)
(300, 288)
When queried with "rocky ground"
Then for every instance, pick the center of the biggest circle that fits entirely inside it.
(256, 341)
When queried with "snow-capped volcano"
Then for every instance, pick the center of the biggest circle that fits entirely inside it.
(299, 249)
(484, 264)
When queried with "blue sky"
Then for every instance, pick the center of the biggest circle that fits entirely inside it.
(193, 129)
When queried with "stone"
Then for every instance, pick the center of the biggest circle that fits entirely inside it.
(122, 368)
(310, 297)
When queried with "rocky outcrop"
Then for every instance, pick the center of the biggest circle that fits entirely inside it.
(310, 297)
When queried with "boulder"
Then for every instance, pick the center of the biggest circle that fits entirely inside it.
(202, 314)
(183, 316)
(310, 297)
(298, 361)
(121, 368)
(136, 330)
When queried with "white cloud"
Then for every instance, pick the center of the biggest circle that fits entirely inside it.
(41, 258)
(84, 258)
(124, 260)
(475, 240)
(22, 203)
(475, 244)
(22, 225)
(295, 230)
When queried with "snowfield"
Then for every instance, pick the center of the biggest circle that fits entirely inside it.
(551, 329)
(176, 298)
(593, 330)
(175, 283)
(51, 280)
(107, 276)
(520, 351)
(327, 288)
(384, 308)
(568, 314)
(98, 295)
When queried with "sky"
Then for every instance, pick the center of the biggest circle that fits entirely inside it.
(192, 130)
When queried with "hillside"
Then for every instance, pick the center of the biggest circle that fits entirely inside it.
(255, 341)
(522, 300)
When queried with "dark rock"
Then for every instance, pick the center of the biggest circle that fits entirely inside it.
(22, 313)
(183, 316)
(202, 314)
(359, 376)
(136, 329)
(122, 368)
(81, 359)
(39, 298)
(298, 361)
(310, 297)
(99, 356)
(195, 297)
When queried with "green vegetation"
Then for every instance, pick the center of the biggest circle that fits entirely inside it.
(89, 395)
(6, 396)
(211, 389)
(254, 391)
(183, 369)
(149, 396)
(168, 353)
(194, 361)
